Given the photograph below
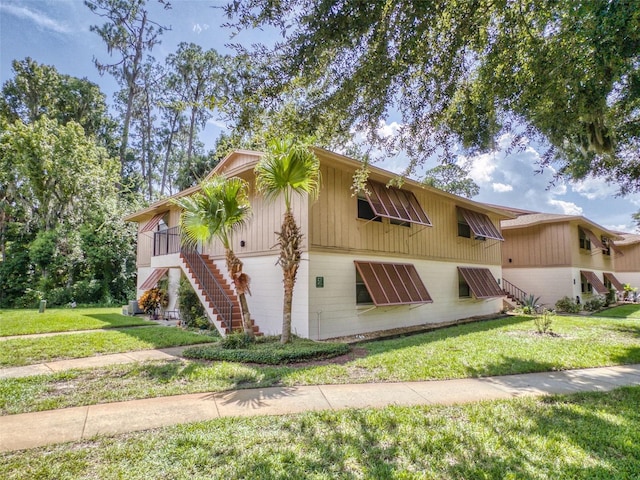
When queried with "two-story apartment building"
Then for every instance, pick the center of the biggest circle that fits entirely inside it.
(627, 262)
(551, 256)
(385, 258)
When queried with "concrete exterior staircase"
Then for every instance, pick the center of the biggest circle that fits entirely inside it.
(217, 313)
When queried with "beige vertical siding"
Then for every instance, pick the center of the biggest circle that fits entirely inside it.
(334, 226)
(259, 232)
(630, 261)
(539, 245)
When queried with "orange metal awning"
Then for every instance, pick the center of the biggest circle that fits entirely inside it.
(153, 223)
(393, 283)
(594, 239)
(481, 282)
(480, 224)
(152, 280)
(617, 284)
(395, 203)
(595, 282)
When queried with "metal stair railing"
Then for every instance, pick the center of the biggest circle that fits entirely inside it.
(166, 242)
(212, 289)
(517, 293)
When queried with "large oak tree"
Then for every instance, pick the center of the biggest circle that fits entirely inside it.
(463, 72)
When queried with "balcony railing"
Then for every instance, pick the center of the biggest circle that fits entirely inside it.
(166, 242)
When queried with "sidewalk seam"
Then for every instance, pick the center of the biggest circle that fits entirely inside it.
(84, 425)
(325, 397)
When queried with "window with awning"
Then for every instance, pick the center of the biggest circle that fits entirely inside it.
(153, 279)
(593, 280)
(395, 204)
(479, 223)
(152, 224)
(593, 239)
(481, 282)
(617, 284)
(391, 284)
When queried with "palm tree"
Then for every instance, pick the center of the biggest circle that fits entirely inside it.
(217, 210)
(287, 168)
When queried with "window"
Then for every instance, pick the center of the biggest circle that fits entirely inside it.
(585, 243)
(478, 223)
(365, 211)
(590, 281)
(463, 287)
(612, 281)
(389, 284)
(152, 224)
(152, 280)
(480, 282)
(395, 204)
(464, 230)
(362, 294)
(587, 238)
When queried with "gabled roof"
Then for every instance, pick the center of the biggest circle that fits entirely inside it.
(531, 219)
(627, 239)
(240, 161)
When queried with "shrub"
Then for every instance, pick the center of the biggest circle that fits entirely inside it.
(530, 304)
(191, 310)
(611, 297)
(235, 341)
(566, 304)
(543, 321)
(152, 300)
(270, 351)
(30, 299)
(595, 303)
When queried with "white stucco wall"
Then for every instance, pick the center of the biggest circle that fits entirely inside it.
(266, 299)
(632, 278)
(551, 284)
(333, 311)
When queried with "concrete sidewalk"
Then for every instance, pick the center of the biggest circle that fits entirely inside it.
(80, 423)
(96, 361)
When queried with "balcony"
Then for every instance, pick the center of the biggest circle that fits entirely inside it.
(166, 242)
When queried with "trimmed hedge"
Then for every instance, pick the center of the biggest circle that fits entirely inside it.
(270, 351)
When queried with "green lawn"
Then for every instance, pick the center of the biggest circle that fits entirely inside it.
(583, 436)
(629, 310)
(25, 322)
(496, 347)
(27, 351)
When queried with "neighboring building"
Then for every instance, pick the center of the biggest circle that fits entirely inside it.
(390, 258)
(627, 263)
(551, 256)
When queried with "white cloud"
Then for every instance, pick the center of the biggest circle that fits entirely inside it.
(501, 188)
(566, 208)
(481, 167)
(619, 228)
(200, 28)
(593, 188)
(39, 18)
(386, 130)
(217, 123)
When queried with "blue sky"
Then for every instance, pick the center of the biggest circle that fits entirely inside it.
(56, 32)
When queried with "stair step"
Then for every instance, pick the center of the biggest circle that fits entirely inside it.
(236, 322)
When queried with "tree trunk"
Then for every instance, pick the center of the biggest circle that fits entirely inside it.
(289, 240)
(241, 283)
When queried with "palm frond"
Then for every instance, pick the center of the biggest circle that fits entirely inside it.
(218, 209)
(288, 167)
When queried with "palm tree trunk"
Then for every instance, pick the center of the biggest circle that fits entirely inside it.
(241, 284)
(289, 240)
